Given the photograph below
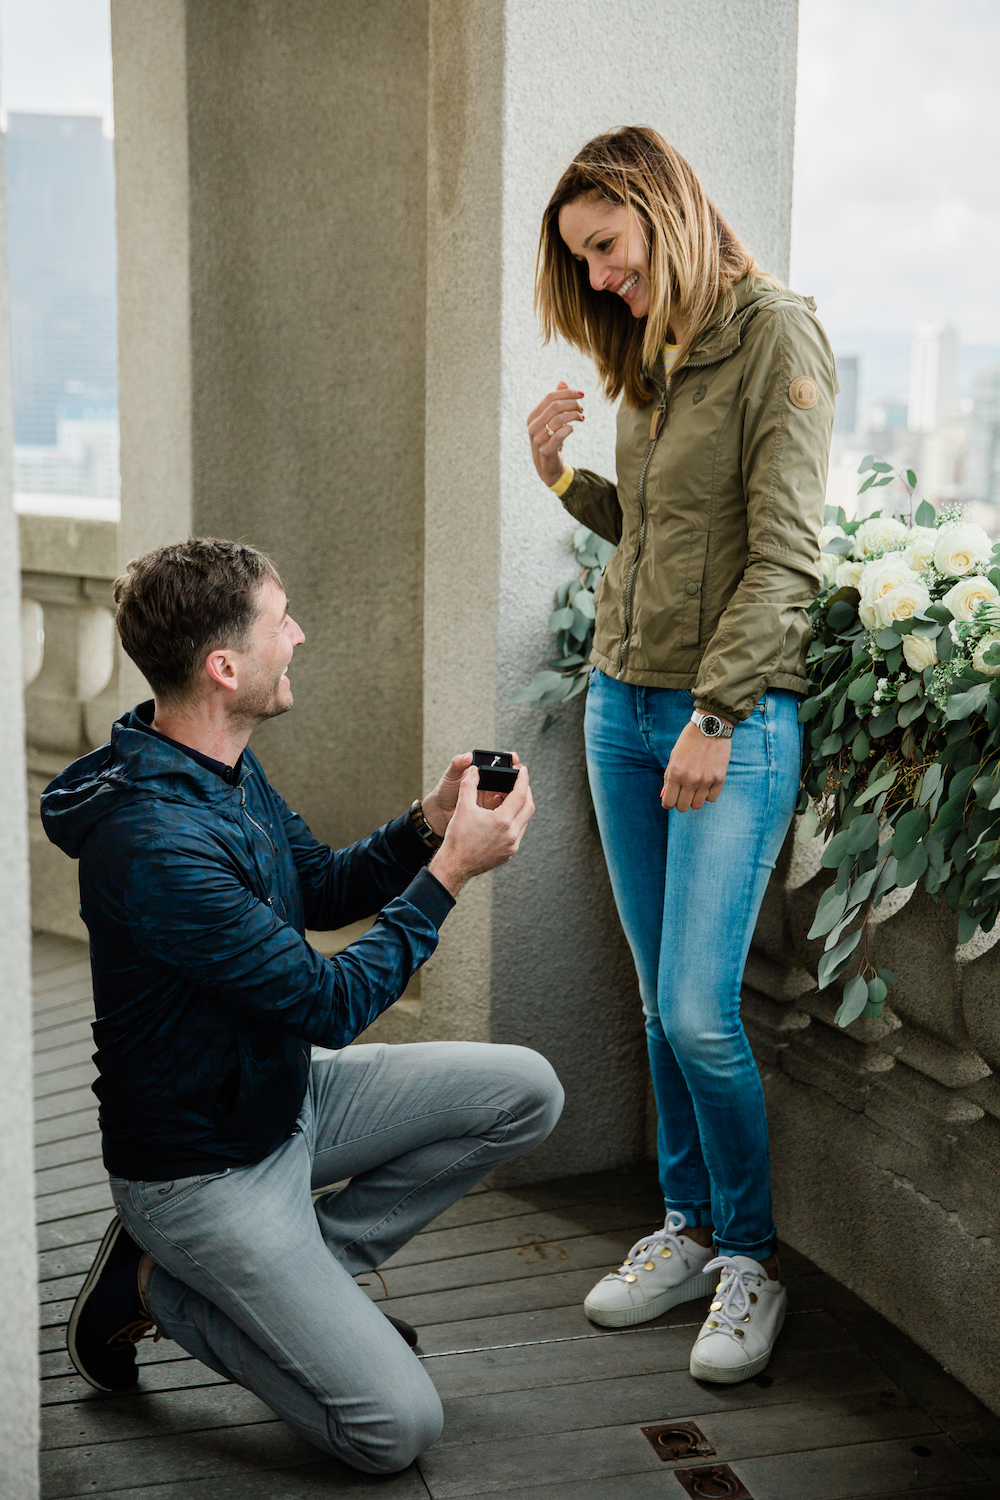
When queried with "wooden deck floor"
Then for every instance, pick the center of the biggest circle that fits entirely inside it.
(538, 1402)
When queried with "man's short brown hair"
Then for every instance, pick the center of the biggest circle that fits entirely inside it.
(178, 603)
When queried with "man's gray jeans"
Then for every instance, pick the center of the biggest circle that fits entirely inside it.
(256, 1280)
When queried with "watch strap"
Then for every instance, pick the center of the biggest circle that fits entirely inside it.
(423, 828)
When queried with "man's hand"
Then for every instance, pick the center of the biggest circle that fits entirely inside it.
(481, 838)
(695, 771)
(439, 805)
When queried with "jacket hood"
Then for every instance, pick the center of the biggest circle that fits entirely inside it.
(132, 764)
(722, 334)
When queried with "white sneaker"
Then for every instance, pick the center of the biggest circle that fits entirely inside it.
(744, 1321)
(663, 1269)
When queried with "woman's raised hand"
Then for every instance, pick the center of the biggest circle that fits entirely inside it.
(549, 425)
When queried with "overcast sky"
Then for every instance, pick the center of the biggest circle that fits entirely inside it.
(897, 162)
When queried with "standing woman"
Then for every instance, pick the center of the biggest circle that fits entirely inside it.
(693, 742)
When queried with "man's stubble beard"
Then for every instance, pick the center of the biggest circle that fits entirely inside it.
(260, 702)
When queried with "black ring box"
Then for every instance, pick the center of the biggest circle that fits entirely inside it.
(497, 771)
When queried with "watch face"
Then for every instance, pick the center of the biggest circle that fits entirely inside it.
(712, 726)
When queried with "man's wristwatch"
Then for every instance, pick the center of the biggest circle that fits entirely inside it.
(712, 727)
(424, 829)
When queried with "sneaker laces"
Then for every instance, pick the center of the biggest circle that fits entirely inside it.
(132, 1333)
(665, 1241)
(734, 1298)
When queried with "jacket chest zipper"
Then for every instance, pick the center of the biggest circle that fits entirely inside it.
(656, 427)
(243, 803)
(655, 430)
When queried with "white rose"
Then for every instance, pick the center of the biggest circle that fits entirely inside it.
(965, 596)
(961, 548)
(901, 602)
(993, 639)
(919, 549)
(867, 615)
(828, 533)
(919, 652)
(885, 573)
(849, 575)
(880, 534)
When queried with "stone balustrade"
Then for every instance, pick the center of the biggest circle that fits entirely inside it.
(886, 1135)
(71, 678)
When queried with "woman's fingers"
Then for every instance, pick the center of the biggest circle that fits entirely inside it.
(561, 393)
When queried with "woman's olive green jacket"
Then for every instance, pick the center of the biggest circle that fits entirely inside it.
(717, 516)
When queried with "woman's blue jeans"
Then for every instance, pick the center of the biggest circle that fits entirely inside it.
(688, 887)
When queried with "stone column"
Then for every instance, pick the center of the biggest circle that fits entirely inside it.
(19, 1341)
(271, 222)
(534, 954)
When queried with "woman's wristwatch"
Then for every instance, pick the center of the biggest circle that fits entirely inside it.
(712, 727)
(424, 830)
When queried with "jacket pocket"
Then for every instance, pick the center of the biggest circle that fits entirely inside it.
(692, 585)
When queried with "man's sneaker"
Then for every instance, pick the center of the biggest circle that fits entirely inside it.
(743, 1323)
(659, 1271)
(108, 1318)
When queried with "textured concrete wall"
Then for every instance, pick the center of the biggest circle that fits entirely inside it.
(272, 178)
(886, 1136)
(535, 955)
(19, 1338)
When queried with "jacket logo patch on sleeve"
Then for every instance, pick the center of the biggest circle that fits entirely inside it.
(803, 393)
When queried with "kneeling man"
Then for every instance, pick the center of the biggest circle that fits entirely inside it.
(197, 885)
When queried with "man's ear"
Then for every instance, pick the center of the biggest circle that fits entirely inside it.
(221, 669)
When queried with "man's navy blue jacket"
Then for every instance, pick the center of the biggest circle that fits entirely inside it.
(197, 894)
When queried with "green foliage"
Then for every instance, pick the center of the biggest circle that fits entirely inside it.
(572, 623)
(902, 762)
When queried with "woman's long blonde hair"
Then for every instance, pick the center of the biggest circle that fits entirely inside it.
(695, 259)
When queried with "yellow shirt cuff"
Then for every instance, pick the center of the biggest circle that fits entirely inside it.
(563, 483)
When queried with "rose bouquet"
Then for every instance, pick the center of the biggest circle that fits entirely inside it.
(902, 760)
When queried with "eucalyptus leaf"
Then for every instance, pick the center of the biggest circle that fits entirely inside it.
(841, 614)
(808, 825)
(925, 515)
(834, 851)
(874, 787)
(863, 833)
(912, 867)
(854, 1001)
(828, 916)
(910, 828)
(831, 963)
(862, 689)
(967, 925)
(930, 781)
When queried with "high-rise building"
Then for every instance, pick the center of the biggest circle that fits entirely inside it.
(933, 376)
(61, 248)
(982, 458)
(845, 416)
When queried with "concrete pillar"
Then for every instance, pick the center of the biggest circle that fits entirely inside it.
(534, 953)
(19, 1342)
(327, 226)
(271, 221)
